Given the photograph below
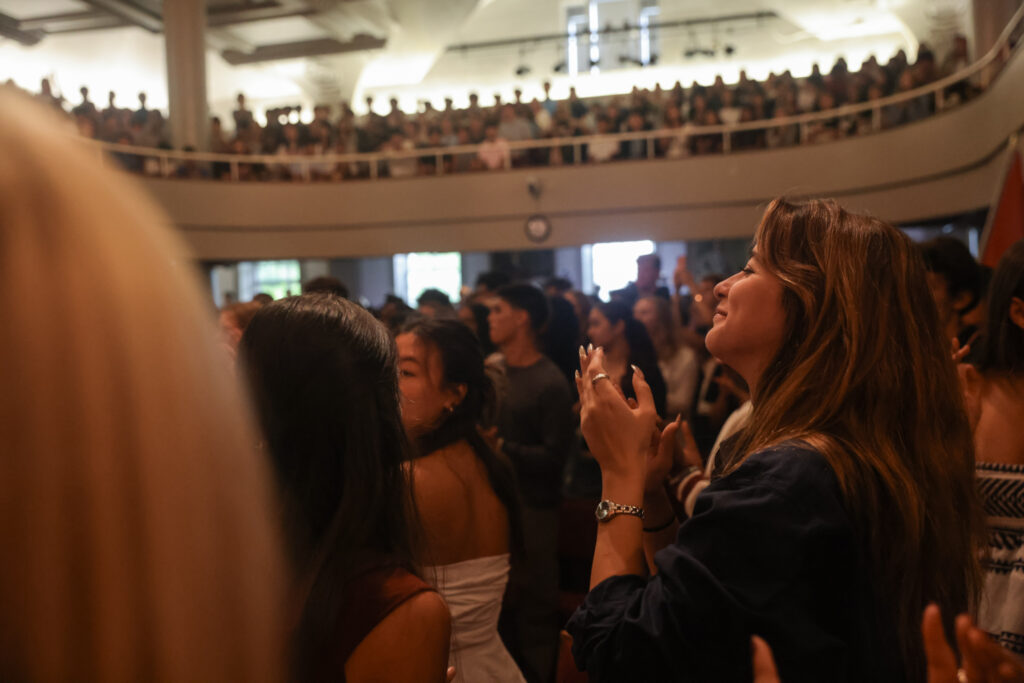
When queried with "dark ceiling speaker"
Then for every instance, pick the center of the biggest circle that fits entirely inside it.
(522, 70)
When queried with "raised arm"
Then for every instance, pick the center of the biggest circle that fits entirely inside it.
(619, 438)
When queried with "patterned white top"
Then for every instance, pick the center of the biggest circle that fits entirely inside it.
(1001, 612)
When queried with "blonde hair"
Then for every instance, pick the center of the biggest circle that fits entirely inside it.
(136, 517)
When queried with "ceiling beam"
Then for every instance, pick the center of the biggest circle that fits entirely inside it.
(222, 39)
(11, 28)
(303, 48)
(97, 23)
(130, 13)
(43, 23)
(257, 11)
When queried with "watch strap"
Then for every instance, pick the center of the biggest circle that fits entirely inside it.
(607, 509)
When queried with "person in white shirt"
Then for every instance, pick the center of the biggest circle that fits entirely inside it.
(402, 167)
(494, 151)
(729, 113)
(541, 117)
(604, 148)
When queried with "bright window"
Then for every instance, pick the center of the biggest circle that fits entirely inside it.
(276, 278)
(428, 270)
(614, 264)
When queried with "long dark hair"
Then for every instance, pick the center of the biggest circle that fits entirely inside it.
(641, 352)
(560, 338)
(1001, 348)
(324, 377)
(462, 362)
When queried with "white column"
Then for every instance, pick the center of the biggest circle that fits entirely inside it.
(185, 38)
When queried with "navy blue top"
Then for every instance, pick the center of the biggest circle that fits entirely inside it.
(770, 551)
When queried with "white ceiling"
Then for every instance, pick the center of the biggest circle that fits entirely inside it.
(416, 63)
(285, 30)
(26, 9)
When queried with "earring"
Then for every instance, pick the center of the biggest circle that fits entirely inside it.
(449, 409)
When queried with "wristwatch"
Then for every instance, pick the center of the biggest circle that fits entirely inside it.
(607, 509)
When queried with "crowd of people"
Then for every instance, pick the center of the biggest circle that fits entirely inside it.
(798, 456)
(678, 110)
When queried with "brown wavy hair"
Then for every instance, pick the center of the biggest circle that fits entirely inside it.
(866, 378)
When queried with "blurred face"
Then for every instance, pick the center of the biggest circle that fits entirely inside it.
(467, 318)
(749, 323)
(424, 400)
(601, 331)
(504, 320)
(645, 311)
(646, 272)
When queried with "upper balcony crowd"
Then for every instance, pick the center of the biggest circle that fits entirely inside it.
(683, 111)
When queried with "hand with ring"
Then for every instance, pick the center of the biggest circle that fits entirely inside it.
(617, 433)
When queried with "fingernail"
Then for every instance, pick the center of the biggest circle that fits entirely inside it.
(590, 348)
(578, 372)
(583, 352)
(637, 371)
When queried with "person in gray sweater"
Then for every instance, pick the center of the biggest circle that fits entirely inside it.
(536, 430)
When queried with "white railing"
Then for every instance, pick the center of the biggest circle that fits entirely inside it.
(169, 160)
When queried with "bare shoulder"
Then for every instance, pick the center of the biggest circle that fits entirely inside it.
(436, 474)
(410, 644)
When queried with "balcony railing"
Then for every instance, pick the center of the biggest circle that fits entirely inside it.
(572, 150)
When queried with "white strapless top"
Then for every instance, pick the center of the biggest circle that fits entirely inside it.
(474, 590)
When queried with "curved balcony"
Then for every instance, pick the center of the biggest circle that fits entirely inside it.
(946, 164)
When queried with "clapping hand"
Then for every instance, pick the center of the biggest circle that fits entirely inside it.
(619, 436)
(982, 661)
(764, 663)
(661, 455)
(960, 352)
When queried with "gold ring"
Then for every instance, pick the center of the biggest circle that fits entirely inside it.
(599, 376)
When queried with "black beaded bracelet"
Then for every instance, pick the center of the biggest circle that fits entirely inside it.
(663, 526)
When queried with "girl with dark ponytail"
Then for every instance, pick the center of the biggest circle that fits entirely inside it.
(465, 493)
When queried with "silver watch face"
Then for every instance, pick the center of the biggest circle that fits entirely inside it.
(603, 511)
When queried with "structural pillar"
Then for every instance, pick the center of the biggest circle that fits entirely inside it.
(990, 18)
(185, 40)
